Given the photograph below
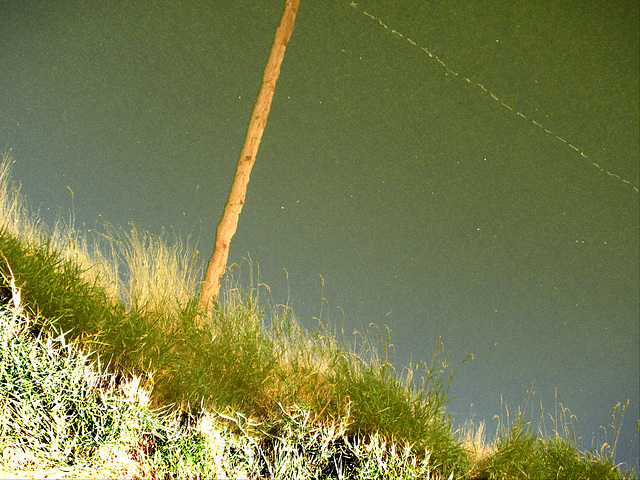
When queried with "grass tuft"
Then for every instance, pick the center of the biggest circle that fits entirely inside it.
(518, 452)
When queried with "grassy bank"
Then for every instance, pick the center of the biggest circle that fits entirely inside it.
(107, 373)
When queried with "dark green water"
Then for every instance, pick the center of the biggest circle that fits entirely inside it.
(422, 201)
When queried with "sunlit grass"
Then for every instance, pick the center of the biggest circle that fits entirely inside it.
(103, 331)
(64, 414)
(520, 451)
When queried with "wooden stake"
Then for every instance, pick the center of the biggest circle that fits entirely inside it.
(229, 222)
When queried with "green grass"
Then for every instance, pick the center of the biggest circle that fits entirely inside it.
(519, 452)
(102, 332)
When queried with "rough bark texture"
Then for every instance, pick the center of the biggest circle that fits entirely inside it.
(229, 222)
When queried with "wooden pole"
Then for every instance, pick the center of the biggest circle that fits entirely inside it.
(229, 222)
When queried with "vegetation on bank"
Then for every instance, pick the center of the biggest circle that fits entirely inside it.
(107, 372)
